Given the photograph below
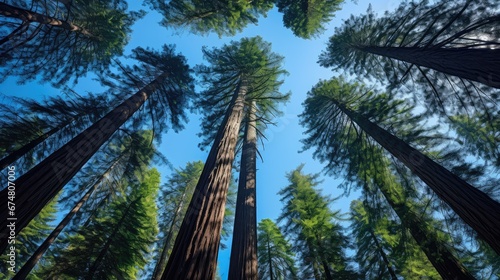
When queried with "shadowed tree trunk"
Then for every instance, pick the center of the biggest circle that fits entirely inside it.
(271, 275)
(243, 262)
(383, 255)
(29, 16)
(37, 255)
(39, 185)
(479, 65)
(475, 207)
(195, 251)
(160, 265)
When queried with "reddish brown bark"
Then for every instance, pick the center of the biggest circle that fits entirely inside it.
(243, 261)
(195, 251)
(29, 16)
(480, 65)
(37, 255)
(39, 185)
(476, 208)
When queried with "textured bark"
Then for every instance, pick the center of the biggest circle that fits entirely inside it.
(39, 185)
(243, 261)
(160, 265)
(37, 255)
(479, 65)
(475, 207)
(195, 251)
(29, 16)
(383, 255)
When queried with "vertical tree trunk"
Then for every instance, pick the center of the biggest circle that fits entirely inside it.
(195, 251)
(479, 65)
(39, 185)
(475, 207)
(383, 255)
(270, 260)
(37, 255)
(243, 262)
(29, 16)
(160, 265)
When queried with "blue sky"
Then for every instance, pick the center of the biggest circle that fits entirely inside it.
(280, 153)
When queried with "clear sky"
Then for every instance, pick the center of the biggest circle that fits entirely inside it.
(280, 153)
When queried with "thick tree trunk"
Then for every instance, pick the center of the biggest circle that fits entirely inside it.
(29, 16)
(195, 251)
(243, 262)
(160, 265)
(38, 186)
(37, 255)
(383, 255)
(475, 207)
(479, 65)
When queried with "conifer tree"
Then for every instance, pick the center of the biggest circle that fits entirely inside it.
(276, 259)
(238, 73)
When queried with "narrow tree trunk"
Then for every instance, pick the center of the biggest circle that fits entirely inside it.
(15, 155)
(270, 260)
(475, 207)
(383, 255)
(324, 262)
(37, 255)
(29, 16)
(109, 241)
(38, 186)
(243, 262)
(479, 65)
(195, 251)
(160, 265)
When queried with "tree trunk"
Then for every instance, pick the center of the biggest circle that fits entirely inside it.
(15, 155)
(37, 255)
(109, 240)
(160, 265)
(383, 255)
(39, 185)
(243, 262)
(29, 16)
(195, 251)
(479, 65)
(475, 207)
(270, 260)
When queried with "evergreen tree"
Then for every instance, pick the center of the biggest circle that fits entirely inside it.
(318, 238)
(27, 240)
(276, 259)
(306, 18)
(62, 39)
(239, 73)
(448, 48)
(225, 17)
(335, 107)
(128, 159)
(172, 87)
(114, 244)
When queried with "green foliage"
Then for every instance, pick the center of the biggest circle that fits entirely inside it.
(249, 62)
(116, 241)
(58, 54)
(307, 18)
(318, 238)
(168, 101)
(275, 254)
(427, 25)
(224, 17)
(28, 239)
